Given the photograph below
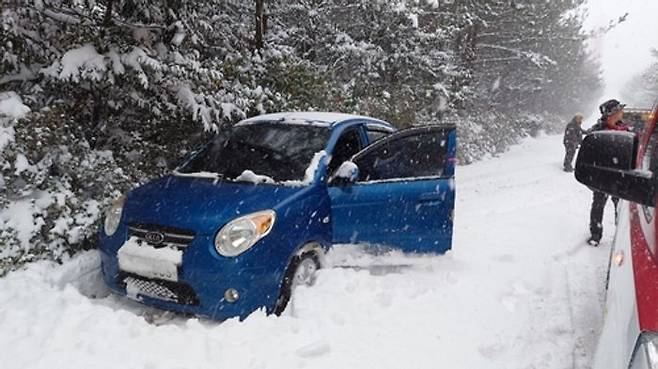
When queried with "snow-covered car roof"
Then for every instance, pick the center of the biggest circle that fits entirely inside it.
(326, 119)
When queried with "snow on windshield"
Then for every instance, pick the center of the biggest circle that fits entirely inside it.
(249, 176)
(260, 153)
(309, 174)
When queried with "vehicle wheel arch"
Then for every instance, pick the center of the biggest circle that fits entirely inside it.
(313, 250)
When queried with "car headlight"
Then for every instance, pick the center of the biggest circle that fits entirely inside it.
(240, 234)
(113, 215)
(646, 352)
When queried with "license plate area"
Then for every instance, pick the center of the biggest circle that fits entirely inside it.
(138, 287)
(138, 257)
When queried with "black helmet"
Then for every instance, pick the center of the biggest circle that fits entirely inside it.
(610, 107)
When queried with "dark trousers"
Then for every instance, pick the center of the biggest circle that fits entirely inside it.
(596, 214)
(568, 157)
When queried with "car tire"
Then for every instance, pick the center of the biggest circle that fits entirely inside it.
(300, 271)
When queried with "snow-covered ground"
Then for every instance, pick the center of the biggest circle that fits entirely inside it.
(520, 290)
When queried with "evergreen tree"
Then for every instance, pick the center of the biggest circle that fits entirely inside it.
(641, 90)
(121, 90)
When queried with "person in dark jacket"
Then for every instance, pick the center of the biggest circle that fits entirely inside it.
(612, 113)
(573, 136)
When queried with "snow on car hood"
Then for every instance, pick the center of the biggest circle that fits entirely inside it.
(200, 204)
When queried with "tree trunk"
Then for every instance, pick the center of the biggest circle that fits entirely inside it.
(107, 19)
(260, 23)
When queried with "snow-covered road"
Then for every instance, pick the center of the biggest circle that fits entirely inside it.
(519, 290)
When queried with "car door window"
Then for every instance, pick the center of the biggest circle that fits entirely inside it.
(348, 144)
(410, 156)
(376, 133)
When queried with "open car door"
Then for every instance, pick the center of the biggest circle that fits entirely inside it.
(404, 195)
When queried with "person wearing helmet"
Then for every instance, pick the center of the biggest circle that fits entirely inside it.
(573, 136)
(612, 113)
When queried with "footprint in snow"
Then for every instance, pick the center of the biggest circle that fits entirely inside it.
(520, 288)
(493, 350)
(509, 302)
(451, 278)
(505, 258)
(314, 349)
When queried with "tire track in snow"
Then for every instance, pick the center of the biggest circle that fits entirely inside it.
(545, 212)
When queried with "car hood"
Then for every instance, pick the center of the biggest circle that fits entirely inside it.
(201, 205)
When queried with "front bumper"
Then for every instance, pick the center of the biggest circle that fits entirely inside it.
(203, 278)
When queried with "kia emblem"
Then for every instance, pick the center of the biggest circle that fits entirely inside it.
(155, 238)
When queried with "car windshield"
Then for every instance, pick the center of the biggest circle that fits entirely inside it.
(279, 151)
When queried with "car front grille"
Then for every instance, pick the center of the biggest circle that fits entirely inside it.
(164, 290)
(159, 236)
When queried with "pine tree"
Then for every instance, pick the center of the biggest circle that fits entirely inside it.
(121, 90)
(642, 89)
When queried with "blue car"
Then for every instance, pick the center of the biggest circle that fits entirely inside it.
(249, 216)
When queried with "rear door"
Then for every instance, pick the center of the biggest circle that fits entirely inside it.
(405, 193)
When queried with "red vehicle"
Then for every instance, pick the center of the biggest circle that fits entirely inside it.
(625, 165)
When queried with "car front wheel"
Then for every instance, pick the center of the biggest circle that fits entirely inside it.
(300, 272)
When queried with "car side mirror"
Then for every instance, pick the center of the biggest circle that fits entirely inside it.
(606, 162)
(348, 172)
